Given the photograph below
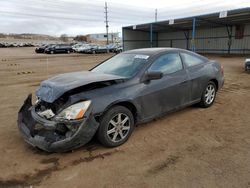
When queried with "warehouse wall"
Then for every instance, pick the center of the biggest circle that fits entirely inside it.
(215, 40)
(211, 40)
(242, 45)
(173, 39)
(133, 39)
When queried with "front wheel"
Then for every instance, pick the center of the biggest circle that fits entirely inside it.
(208, 95)
(116, 126)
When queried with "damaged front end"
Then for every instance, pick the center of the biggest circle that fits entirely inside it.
(54, 128)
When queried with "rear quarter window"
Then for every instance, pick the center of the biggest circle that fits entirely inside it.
(191, 60)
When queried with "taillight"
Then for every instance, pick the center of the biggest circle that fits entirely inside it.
(222, 69)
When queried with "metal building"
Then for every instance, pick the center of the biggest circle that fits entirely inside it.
(102, 37)
(221, 32)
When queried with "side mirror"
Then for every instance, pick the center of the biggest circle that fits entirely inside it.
(152, 76)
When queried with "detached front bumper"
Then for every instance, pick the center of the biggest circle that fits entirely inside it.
(48, 139)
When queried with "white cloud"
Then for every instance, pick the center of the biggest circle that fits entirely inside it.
(81, 17)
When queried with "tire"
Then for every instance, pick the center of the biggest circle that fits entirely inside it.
(68, 52)
(208, 95)
(118, 133)
(51, 52)
(93, 52)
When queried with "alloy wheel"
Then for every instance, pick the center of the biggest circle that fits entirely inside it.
(210, 94)
(118, 127)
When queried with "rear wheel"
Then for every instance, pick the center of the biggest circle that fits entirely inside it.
(93, 52)
(208, 95)
(52, 52)
(116, 126)
(68, 51)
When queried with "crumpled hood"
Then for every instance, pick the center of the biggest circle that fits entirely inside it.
(53, 88)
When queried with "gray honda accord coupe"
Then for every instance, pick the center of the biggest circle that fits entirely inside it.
(110, 99)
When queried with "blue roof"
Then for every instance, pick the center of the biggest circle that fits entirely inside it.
(234, 17)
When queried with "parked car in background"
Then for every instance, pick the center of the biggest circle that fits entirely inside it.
(42, 48)
(81, 48)
(95, 49)
(99, 49)
(90, 49)
(247, 65)
(60, 48)
(77, 46)
(111, 47)
(15, 44)
(115, 48)
(109, 100)
(118, 49)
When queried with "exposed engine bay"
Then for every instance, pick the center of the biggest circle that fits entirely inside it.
(55, 131)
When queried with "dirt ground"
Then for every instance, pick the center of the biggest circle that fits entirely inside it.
(191, 148)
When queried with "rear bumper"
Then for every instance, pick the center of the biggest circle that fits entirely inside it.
(49, 139)
(221, 82)
(39, 51)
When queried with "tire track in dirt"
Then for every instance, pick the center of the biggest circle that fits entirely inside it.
(170, 161)
(54, 165)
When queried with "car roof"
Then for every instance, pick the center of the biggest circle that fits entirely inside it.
(155, 51)
(152, 51)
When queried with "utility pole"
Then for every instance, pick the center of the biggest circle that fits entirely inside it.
(156, 15)
(112, 37)
(106, 21)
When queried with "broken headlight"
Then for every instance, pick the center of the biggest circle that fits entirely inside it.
(74, 112)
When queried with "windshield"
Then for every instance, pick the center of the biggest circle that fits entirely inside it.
(125, 65)
(51, 45)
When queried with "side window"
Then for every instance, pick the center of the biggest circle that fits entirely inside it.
(191, 60)
(167, 64)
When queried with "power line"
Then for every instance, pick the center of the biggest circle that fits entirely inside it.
(117, 21)
(87, 8)
(53, 17)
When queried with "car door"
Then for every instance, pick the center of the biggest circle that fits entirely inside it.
(67, 48)
(57, 49)
(168, 93)
(63, 49)
(197, 73)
